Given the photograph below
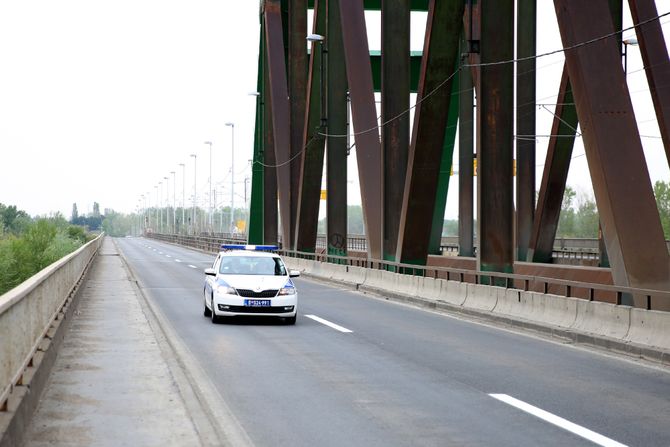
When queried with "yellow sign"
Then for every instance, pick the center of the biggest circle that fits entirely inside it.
(324, 194)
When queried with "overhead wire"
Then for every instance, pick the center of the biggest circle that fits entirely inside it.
(451, 76)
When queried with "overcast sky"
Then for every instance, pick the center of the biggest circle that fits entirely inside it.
(99, 101)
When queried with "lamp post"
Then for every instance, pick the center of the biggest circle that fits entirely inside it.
(318, 38)
(174, 202)
(167, 203)
(232, 176)
(626, 42)
(195, 188)
(183, 194)
(210, 185)
(157, 202)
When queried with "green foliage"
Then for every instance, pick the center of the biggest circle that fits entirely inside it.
(662, 193)
(28, 246)
(117, 224)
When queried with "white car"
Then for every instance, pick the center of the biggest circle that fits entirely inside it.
(249, 280)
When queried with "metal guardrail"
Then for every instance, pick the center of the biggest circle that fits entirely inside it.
(28, 311)
(507, 280)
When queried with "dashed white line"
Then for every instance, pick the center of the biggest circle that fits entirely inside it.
(558, 421)
(177, 260)
(168, 256)
(337, 327)
(192, 266)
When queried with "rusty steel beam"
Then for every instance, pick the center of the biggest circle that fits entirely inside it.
(297, 90)
(395, 88)
(364, 116)
(495, 112)
(336, 118)
(270, 216)
(557, 163)
(465, 161)
(440, 54)
(274, 39)
(311, 162)
(656, 63)
(628, 213)
(525, 124)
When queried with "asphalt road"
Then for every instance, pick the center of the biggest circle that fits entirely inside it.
(402, 376)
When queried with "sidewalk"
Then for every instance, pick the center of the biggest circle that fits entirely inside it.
(111, 384)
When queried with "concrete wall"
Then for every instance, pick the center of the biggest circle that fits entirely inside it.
(28, 311)
(645, 333)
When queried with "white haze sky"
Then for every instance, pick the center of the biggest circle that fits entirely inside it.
(99, 101)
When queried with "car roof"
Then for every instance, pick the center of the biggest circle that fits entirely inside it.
(249, 253)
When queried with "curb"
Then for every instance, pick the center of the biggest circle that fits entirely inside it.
(214, 421)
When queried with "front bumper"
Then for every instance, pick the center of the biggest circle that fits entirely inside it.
(280, 306)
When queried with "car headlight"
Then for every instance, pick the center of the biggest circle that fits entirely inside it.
(226, 290)
(287, 291)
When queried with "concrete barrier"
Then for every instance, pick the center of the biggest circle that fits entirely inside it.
(453, 292)
(357, 275)
(618, 327)
(650, 328)
(29, 311)
(430, 288)
(481, 297)
(605, 319)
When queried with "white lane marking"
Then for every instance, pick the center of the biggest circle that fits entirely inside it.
(558, 421)
(192, 266)
(168, 256)
(177, 260)
(337, 327)
(160, 252)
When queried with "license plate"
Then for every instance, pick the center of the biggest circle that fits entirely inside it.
(257, 303)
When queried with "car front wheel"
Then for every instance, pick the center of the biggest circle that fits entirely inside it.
(215, 318)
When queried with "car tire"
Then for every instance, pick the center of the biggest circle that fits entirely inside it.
(207, 312)
(215, 317)
(290, 320)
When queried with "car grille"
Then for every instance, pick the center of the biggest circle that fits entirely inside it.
(247, 293)
(258, 310)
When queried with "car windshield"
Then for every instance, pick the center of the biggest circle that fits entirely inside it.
(251, 265)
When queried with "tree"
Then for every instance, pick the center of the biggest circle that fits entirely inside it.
(586, 219)
(566, 221)
(662, 194)
(75, 213)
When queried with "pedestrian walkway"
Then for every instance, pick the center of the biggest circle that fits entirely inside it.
(111, 384)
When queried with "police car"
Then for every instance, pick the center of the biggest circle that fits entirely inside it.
(248, 280)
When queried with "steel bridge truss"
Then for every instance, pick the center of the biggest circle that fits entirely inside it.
(302, 110)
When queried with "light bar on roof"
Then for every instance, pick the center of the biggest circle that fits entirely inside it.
(249, 247)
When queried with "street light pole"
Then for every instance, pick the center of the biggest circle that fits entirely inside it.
(174, 202)
(167, 203)
(195, 188)
(232, 177)
(183, 194)
(626, 42)
(210, 185)
(157, 207)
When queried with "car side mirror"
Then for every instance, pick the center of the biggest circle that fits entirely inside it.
(294, 273)
(210, 272)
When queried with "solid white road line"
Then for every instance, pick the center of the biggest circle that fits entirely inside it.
(192, 266)
(558, 421)
(337, 327)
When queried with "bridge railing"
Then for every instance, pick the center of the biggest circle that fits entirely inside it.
(28, 311)
(652, 299)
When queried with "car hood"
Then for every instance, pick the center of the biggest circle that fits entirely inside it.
(255, 282)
